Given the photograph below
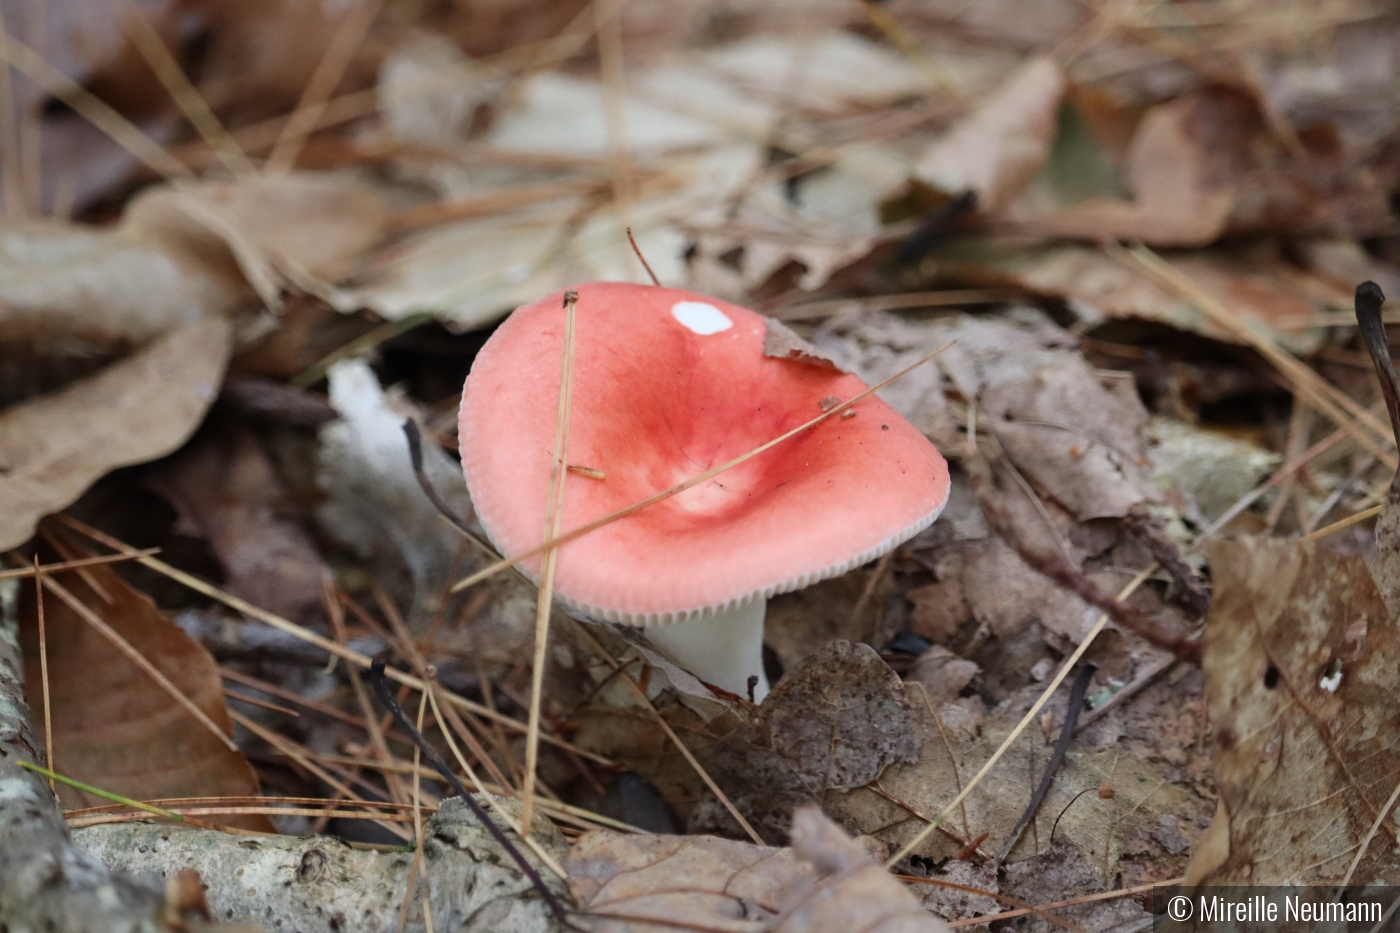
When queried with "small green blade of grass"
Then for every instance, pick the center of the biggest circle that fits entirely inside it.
(104, 794)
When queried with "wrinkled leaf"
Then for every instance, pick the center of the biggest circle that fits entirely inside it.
(1263, 290)
(826, 883)
(708, 881)
(1105, 831)
(1301, 666)
(855, 893)
(1184, 177)
(1063, 424)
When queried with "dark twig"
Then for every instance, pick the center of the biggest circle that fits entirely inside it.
(936, 227)
(270, 401)
(1385, 569)
(1148, 530)
(380, 683)
(1076, 703)
(1369, 299)
(1055, 567)
(642, 259)
(415, 453)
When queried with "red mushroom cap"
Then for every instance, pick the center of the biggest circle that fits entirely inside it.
(667, 384)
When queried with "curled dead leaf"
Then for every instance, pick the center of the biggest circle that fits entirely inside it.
(225, 489)
(1185, 181)
(781, 342)
(181, 253)
(856, 895)
(1000, 147)
(717, 883)
(140, 408)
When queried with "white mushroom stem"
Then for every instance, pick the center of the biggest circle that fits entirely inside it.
(723, 648)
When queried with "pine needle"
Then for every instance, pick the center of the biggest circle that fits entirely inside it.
(186, 96)
(96, 111)
(554, 516)
(1026, 720)
(44, 666)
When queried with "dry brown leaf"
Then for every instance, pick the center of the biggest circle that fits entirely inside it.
(1184, 175)
(113, 726)
(1000, 147)
(1263, 289)
(226, 491)
(827, 73)
(1063, 423)
(855, 894)
(629, 883)
(942, 674)
(1102, 832)
(53, 447)
(180, 254)
(781, 342)
(987, 582)
(300, 230)
(839, 717)
(1301, 676)
(1207, 164)
(59, 280)
(713, 883)
(1091, 462)
(837, 720)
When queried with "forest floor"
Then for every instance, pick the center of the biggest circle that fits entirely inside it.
(1149, 642)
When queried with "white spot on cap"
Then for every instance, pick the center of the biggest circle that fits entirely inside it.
(704, 319)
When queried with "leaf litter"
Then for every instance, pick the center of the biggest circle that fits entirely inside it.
(835, 169)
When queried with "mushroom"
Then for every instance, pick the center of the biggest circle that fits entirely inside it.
(667, 384)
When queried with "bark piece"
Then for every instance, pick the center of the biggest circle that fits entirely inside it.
(46, 883)
(320, 883)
